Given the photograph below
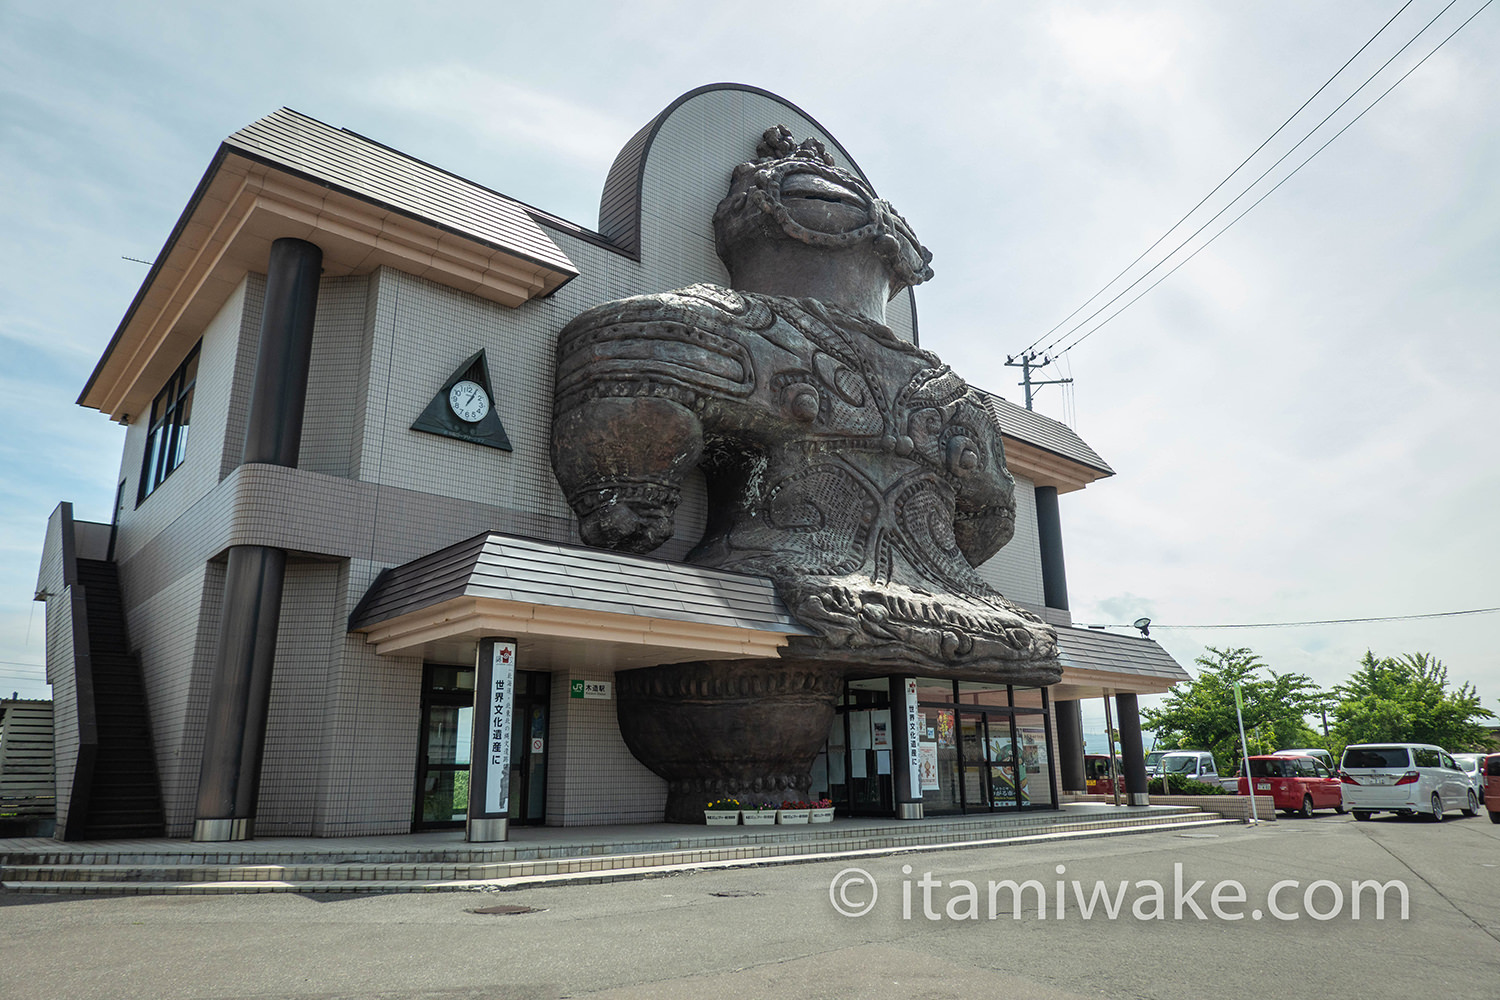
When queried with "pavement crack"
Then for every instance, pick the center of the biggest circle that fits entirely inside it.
(1424, 880)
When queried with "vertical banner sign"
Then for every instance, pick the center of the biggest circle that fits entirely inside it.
(914, 735)
(502, 701)
(494, 703)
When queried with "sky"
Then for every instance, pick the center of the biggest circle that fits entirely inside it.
(1302, 418)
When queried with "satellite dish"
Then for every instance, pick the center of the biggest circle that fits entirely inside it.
(1144, 624)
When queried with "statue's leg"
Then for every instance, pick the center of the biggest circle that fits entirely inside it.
(621, 461)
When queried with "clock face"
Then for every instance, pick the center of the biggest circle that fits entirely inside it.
(468, 401)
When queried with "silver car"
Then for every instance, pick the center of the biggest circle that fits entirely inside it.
(1473, 765)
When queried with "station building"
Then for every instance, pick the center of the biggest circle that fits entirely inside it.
(401, 535)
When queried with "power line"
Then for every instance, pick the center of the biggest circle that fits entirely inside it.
(1221, 183)
(1230, 204)
(1257, 201)
(1327, 621)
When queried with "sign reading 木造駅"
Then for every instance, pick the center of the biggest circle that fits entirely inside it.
(579, 688)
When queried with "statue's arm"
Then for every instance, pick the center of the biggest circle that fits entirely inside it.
(632, 377)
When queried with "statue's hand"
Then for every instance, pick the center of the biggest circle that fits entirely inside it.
(636, 518)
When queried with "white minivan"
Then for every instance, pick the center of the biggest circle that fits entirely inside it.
(1404, 778)
(1315, 753)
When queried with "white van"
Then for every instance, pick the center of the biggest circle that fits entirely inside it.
(1405, 778)
(1322, 755)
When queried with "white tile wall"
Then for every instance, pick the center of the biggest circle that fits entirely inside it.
(592, 778)
(1016, 570)
(64, 697)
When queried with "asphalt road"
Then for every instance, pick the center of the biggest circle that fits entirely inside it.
(774, 932)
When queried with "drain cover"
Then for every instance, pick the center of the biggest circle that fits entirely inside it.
(506, 910)
(734, 893)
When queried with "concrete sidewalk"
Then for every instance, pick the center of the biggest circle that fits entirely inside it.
(443, 861)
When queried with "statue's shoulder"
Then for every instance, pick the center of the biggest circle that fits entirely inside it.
(700, 305)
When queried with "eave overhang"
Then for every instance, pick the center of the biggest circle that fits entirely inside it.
(245, 202)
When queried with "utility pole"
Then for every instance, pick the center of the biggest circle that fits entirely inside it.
(1026, 363)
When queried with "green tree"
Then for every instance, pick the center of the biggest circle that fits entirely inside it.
(1200, 714)
(1406, 699)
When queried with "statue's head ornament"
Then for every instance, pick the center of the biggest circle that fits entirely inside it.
(796, 191)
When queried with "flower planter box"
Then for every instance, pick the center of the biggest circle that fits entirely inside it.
(790, 817)
(821, 815)
(721, 817)
(760, 817)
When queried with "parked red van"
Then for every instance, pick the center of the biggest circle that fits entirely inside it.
(1298, 784)
(1490, 771)
(1096, 772)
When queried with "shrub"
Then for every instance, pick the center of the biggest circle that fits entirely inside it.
(1185, 786)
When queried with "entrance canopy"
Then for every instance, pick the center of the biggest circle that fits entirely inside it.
(1093, 660)
(570, 606)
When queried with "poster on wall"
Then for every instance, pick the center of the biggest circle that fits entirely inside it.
(928, 755)
(882, 735)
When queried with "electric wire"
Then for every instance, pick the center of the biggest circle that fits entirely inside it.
(1257, 201)
(1279, 160)
(1326, 621)
(1221, 183)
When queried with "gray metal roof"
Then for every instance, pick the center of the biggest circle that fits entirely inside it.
(366, 169)
(1044, 432)
(506, 568)
(1092, 649)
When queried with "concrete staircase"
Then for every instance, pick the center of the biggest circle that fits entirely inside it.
(122, 797)
(384, 865)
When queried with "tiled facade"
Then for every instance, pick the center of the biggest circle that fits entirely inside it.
(370, 493)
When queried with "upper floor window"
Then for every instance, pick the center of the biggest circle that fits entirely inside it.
(166, 441)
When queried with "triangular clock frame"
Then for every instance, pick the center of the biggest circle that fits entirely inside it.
(440, 419)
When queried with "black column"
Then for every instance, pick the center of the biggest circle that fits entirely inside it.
(273, 433)
(1070, 745)
(1130, 748)
(240, 696)
(1049, 539)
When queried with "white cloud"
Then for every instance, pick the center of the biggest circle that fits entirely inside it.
(502, 111)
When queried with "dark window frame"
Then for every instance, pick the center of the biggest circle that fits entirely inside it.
(167, 426)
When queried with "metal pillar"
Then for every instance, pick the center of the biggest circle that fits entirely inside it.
(240, 696)
(906, 763)
(1070, 745)
(1049, 540)
(1130, 748)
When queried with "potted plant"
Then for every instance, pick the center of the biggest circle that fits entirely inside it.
(763, 814)
(822, 811)
(793, 812)
(722, 812)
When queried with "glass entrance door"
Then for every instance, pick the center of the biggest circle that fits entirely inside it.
(867, 724)
(528, 748)
(993, 777)
(443, 754)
